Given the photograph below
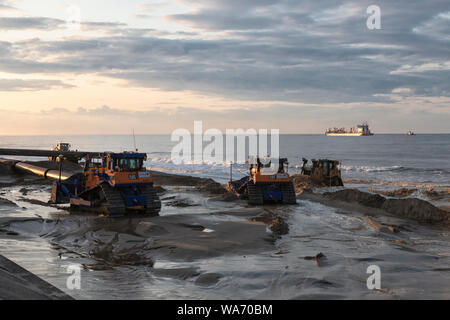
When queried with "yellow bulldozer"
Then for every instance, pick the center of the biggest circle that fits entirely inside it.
(323, 171)
(63, 147)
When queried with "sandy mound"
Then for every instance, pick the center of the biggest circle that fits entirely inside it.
(201, 184)
(435, 194)
(303, 183)
(415, 209)
(411, 208)
(353, 195)
(402, 192)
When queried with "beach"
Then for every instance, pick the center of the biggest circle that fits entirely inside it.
(208, 244)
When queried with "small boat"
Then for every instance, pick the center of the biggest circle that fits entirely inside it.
(410, 133)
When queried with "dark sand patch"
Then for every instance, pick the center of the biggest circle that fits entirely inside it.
(200, 184)
(182, 203)
(208, 279)
(319, 259)
(177, 273)
(278, 225)
(303, 183)
(41, 203)
(6, 202)
(141, 241)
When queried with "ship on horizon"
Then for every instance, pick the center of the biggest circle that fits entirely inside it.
(359, 130)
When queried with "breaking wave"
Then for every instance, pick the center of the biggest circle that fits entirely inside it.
(350, 168)
(370, 168)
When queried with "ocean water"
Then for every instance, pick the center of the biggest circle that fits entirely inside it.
(423, 159)
(415, 262)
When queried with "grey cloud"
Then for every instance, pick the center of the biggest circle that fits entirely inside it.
(281, 117)
(43, 23)
(103, 111)
(437, 27)
(6, 6)
(219, 20)
(19, 23)
(318, 52)
(30, 85)
(54, 111)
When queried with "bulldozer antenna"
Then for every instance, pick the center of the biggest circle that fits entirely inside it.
(134, 141)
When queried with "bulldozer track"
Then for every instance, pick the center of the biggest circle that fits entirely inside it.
(114, 201)
(255, 194)
(153, 201)
(288, 193)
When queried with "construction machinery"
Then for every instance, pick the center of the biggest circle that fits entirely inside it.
(268, 180)
(113, 183)
(110, 183)
(323, 171)
(63, 147)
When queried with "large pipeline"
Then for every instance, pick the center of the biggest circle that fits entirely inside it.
(47, 153)
(43, 172)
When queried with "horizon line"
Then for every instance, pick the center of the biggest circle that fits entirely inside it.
(168, 134)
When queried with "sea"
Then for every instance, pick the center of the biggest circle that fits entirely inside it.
(420, 160)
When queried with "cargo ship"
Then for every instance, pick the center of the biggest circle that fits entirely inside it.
(359, 130)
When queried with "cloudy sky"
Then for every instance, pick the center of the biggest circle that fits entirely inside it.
(300, 66)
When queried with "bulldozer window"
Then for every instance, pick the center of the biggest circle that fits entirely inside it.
(270, 168)
(130, 164)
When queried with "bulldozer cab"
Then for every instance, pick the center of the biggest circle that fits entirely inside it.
(269, 170)
(62, 146)
(125, 162)
(328, 167)
(117, 168)
(269, 166)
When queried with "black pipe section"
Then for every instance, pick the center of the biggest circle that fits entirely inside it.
(48, 153)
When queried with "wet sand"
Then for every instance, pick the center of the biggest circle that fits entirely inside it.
(139, 240)
(204, 247)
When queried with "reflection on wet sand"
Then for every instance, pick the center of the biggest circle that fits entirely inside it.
(207, 245)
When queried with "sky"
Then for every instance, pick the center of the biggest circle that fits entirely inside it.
(108, 67)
